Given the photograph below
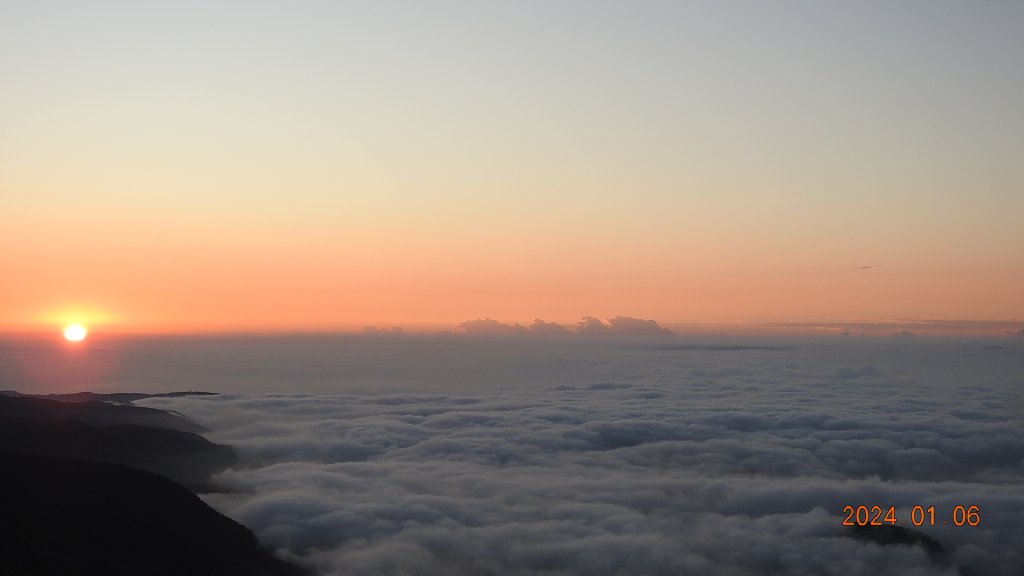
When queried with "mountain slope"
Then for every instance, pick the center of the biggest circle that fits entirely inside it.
(65, 516)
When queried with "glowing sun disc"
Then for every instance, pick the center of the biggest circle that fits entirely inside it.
(75, 333)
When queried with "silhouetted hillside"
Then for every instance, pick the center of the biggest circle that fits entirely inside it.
(115, 397)
(184, 457)
(70, 517)
(51, 428)
(99, 413)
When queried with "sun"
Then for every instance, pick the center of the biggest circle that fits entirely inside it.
(75, 332)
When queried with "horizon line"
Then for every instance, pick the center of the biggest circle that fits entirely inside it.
(986, 327)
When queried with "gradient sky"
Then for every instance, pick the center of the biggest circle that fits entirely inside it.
(318, 165)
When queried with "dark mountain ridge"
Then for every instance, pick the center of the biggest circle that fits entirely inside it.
(96, 409)
(145, 438)
(89, 487)
(64, 516)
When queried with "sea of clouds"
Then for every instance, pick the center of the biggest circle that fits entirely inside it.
(512, 456)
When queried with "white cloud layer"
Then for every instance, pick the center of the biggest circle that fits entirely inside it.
(718, 460)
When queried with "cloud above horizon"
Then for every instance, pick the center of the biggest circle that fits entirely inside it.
(722, 460)
(587, 326)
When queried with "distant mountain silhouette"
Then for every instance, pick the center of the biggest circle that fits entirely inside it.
(112, 433)
(94, 409)
(71, 517)
(116, 397)
(82, 492)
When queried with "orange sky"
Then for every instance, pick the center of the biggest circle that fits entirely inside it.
(181, 168)
(141, 281)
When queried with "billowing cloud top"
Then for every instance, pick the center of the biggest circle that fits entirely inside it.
(588, 326)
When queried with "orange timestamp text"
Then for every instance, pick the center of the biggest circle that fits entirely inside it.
(969, 515)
